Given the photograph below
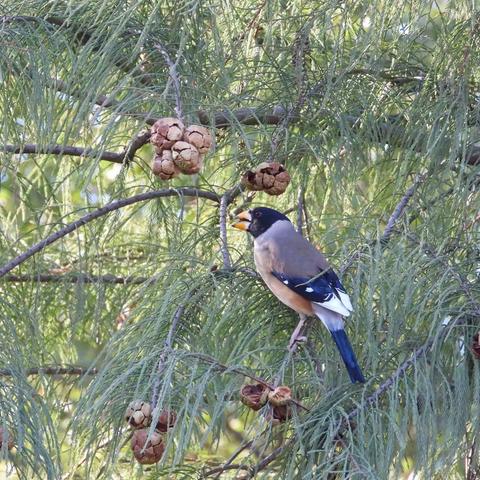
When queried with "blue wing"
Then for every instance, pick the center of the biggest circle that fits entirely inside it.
(324, 289)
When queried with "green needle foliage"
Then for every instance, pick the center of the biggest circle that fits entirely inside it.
(360, 101)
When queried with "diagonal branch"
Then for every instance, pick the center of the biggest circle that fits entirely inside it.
(168, 192)
(400, 208)
(392, 221)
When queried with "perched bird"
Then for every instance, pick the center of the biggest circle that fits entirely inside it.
(300, 276)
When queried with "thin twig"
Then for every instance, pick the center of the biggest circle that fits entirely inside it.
(230, 460)
(300, 203)
(51, 370)
(400, 208)
(270, 458)
(227, 264)
(137, 142)
(172, 70)
(300, 48)
(167, 347)
(223, 468)
(234, 192)
(168, 192)
(244, 116)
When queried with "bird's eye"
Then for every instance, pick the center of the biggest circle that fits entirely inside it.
(257, 214)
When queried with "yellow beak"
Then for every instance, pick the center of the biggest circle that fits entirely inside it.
(244, 221)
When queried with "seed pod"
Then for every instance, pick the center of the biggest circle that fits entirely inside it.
(186, 158)
(165, 132)
(271, 178)
(138, 414)
(5, 435)
(254, 395)
(280, 396)
(147, 451)
(199, 137)
(164, 167)
(166, 420)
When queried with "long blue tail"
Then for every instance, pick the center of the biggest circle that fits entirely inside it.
(345, 349)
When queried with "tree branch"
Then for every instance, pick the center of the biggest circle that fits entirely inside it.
(63, 150)
(57, 370)
(77, 278)
(228, 464)
(245, 116)
(224, 468)
(168, 192)
(270, 458)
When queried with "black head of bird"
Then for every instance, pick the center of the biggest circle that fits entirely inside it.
(258, 220)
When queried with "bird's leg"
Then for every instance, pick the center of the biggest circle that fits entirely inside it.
(298, 334)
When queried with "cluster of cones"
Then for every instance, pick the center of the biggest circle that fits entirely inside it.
(257, 395)
(268, 177)
(178, 149)
(148, 449)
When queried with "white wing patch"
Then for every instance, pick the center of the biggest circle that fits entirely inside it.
(334, 304)
(345, 299)
(309, 289)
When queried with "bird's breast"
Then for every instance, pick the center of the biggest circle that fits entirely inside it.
(265, 264)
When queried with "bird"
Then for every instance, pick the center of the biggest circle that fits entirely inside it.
(300, 276)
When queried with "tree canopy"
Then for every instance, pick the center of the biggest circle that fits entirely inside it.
(117, 286)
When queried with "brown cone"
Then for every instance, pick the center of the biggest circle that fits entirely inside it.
(165, 132)
(164, 167)
(254, 395)
(138, 414)
(282, 395)
(271, 178)
(187, 158)
(147, 452)
(166, 420)
(199, 137)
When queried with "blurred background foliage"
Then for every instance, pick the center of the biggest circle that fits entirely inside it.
(371, 96)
